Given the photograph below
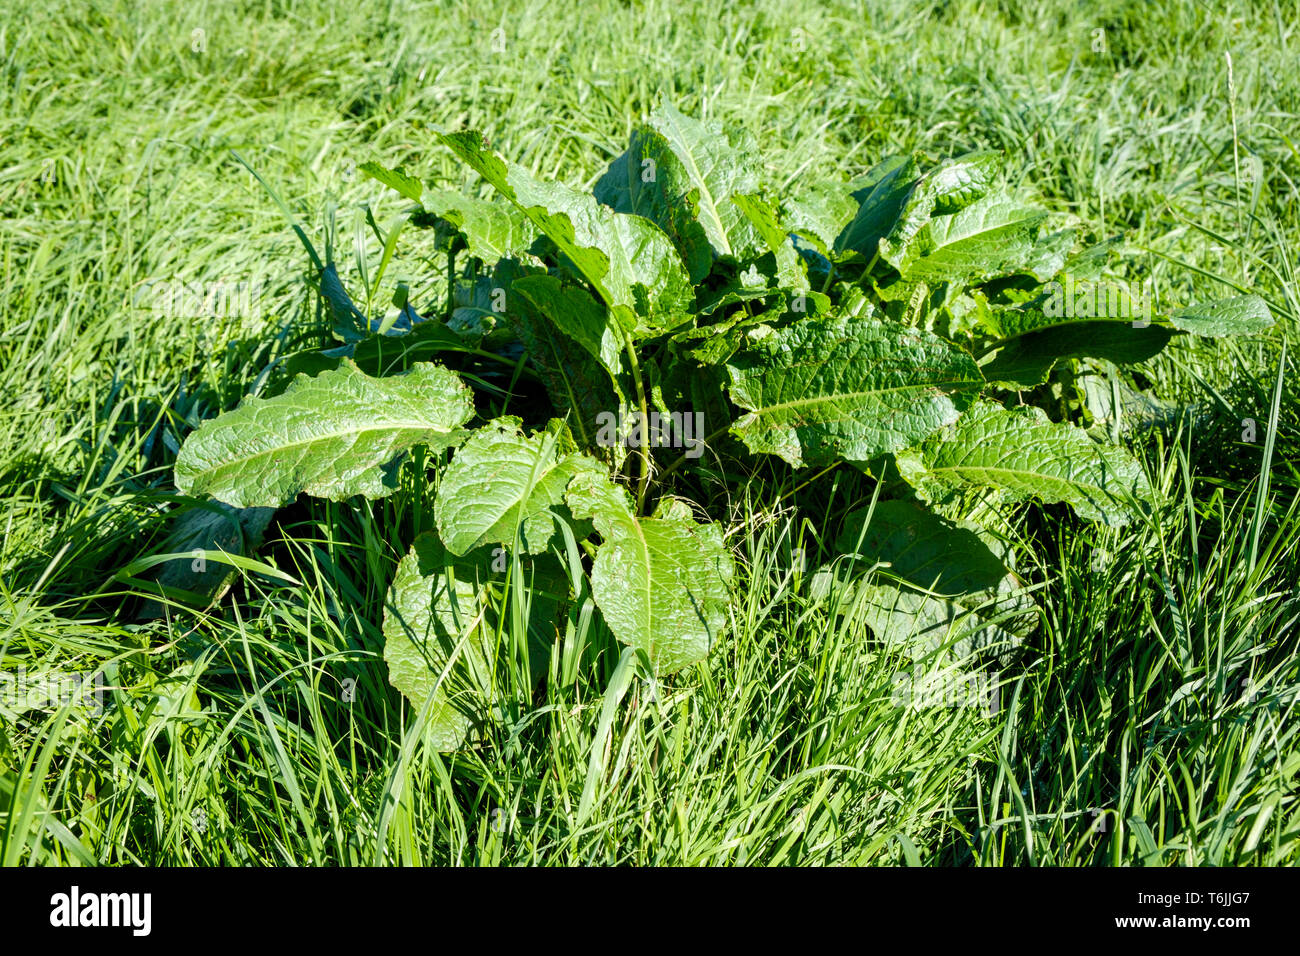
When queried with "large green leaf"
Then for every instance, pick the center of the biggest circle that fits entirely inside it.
(956, 183)
(925, 627)
(660, 583)
(762, 215)
(582, 387)
(492, 230)
(1239, 315)
(395, 179)
(936, 573)
(439, 641)
(329, 436)
(1033, 342)
(501, 482)
(579, 387)
(993, 236)
(1021, 452)
(822, 213)
(846, 387)
(347, 321)
(682, 174)
(901, 204)
(209, 526)
(648, 180)
(1071, 319)
(951, 186)
(1062, 306)
(573, 311)
(628, 260)
(922, 548)
(717, 169)
(441, 619)
(890, 183)
(819, 212)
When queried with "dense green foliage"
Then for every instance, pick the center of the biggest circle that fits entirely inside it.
(674, 293)
(1148, 718)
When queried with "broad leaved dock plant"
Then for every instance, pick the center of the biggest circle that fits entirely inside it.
(909, 324)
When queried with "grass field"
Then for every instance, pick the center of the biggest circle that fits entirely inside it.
(1150, 720)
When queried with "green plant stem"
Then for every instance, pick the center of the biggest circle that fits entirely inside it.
(451, 282)
(682, 458)
(643, 453)
(830, 274)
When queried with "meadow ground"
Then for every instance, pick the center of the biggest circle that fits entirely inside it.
(1150, 719)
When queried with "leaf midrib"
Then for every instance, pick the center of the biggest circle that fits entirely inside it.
(698, 177)
(816, 399)
(226, 465)
(519, 501)
(1035, 477)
